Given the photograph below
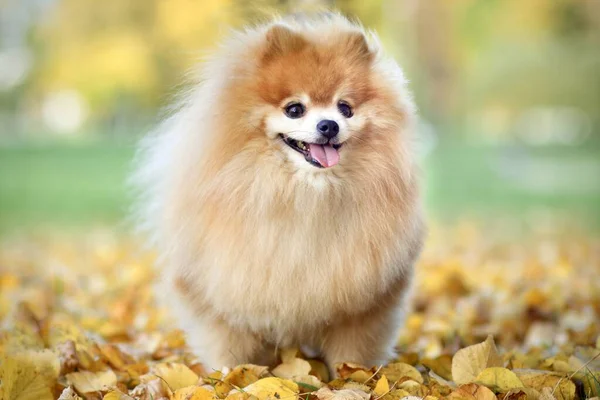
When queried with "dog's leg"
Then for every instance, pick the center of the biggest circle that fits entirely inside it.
(219, 345)
(366, 339)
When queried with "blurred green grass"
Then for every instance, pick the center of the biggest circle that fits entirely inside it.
(82, 184)
(63, 184)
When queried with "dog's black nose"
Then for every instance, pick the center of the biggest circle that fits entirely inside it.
(328, 128)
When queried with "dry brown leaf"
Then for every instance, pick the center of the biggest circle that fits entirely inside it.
(397, 371)
(175, 375)
(28, 375)
(472, 391)
(87, 381)
(343, 394)
(356, 372)
(469, 362)
(382, 386)
(272, 388)
(499, 379)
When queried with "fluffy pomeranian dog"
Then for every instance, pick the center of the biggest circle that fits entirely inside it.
(282, 196)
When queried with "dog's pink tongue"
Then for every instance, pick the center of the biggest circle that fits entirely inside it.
(326, 155)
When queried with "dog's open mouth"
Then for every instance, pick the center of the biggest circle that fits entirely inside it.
(320, 155)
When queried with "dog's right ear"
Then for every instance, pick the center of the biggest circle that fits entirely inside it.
(282, 40)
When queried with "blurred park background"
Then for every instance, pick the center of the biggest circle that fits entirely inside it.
(508, 92)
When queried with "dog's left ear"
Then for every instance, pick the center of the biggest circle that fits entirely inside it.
(359, 46)
(282, 40)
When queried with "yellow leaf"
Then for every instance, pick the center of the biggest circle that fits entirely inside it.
(272, 388)
(176, 375)
(468, 363)
(244, 375)
(240, 396)
(319, 369)
(398, 394)
(114, 356)
(86, 381)
(499, 379)
(382, 386)
(308, 383)
(292, 367)
(441, 365)
(116, 395)
(62, 328)
(28, 375)
(538, 380)
(19, 339)
(193, 393)
(546, 394)
(344, 394)
(396, 371)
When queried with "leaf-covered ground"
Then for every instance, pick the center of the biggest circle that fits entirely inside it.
(492, 318)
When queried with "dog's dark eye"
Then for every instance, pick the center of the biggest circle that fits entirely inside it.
(294, 110)
(345, 109)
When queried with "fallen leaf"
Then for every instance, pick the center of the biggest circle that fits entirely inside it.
(272, 388)
(356, 372)
(152, 389)
(114, 356)
(116, 395)
(308, 383)
(546, 394)
(86, 381)
(441, 365)
(28, 375)
(292, 367)
(382, 386)
(175, 375)
(472, 391)
(538, 380)
(193, 393)
(499, 379)
(244, 375)
(343, 394)
(396, 371)
(67, 354)
(69, 394)
(319, 369)
(469, 362)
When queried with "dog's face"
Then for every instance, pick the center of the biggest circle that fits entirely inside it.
(316, 95)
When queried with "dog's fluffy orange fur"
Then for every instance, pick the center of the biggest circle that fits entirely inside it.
(260, 249)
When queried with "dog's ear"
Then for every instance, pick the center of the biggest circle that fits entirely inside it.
(358, 45)
(282, 40)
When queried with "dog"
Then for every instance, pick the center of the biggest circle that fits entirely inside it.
(282, 196)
